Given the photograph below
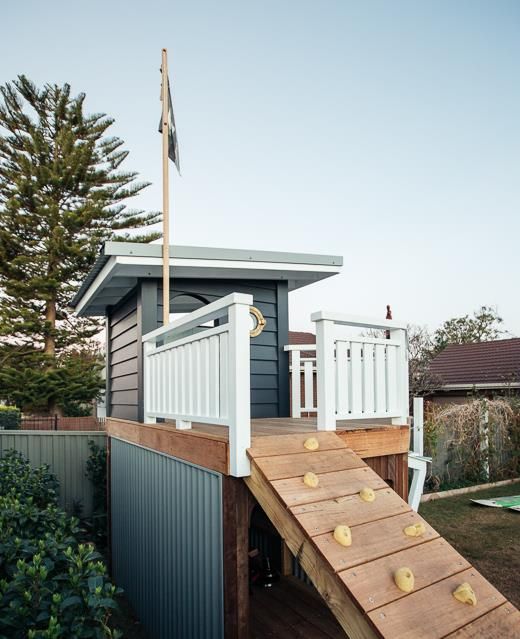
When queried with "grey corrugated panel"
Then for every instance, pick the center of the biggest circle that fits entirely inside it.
(66, 453)
(167, 542)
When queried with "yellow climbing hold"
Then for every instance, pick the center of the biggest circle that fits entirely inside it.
(465, 594)
(311, 443)
(415, 530)
(343, 535)
(311, 480)
(367, 494)
(404, 579)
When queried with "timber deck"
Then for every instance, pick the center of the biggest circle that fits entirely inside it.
(357, 581)
(208, 445)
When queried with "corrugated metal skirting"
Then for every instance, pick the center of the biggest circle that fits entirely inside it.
(167, 542)
(66, 452)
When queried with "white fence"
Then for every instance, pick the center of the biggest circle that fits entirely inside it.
(195, 373)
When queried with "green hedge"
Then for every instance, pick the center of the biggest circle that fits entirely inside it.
(51, 586)
(10, 417)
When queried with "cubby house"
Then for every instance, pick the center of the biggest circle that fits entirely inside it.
(208, 453)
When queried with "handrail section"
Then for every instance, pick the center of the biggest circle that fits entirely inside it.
(195, 373)
(356, 377)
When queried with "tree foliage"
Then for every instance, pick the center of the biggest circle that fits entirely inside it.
(483, 326)
(423, 346)
(63, 193)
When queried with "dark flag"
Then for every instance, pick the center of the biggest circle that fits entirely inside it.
(173, 145)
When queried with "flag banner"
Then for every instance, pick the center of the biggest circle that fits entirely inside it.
(173, 145)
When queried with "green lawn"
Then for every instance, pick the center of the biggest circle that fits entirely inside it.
(488, 537)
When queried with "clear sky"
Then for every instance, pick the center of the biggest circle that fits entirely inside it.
(386, 132)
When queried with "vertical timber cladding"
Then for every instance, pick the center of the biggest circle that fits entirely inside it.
(269, 361)
(167, 548)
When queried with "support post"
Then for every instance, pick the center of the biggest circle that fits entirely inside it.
(325, 372)
(236, 505)
(484, 437)
(239, 390)
(296, 400)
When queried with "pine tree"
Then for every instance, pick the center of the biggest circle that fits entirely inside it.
(62, 194)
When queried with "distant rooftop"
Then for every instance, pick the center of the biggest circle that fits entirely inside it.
(120, 265)
(484, 363)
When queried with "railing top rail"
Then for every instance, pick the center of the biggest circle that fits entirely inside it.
(205, 314)
(356, 321)
(299, 347)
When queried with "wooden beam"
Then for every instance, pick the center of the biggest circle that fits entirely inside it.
(236, 509)
(193, 447)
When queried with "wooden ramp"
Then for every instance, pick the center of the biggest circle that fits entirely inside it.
(357, 581)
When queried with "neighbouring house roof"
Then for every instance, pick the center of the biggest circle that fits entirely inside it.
(301, 337)
(122, 264)
(485, 365)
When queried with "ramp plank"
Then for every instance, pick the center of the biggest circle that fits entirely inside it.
(372, 584)
(372, 541)
(323, 516)
(503, 622)
(287, 444)
(332, 485)
(436, 604)
(297, 464)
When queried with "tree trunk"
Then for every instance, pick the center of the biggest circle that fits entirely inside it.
(49, 347)
(50, 317)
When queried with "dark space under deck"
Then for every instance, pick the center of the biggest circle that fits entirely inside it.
(291, 608)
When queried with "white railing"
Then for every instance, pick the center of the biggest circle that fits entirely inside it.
(302, 364)
(195, 373)
(360, 377)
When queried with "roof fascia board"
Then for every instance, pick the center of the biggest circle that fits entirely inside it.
(130, 249)
(103, 277)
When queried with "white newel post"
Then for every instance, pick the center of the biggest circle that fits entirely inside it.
(400, 335)
(325, 372)
(295, 384)
(239, 390)
(147, 386)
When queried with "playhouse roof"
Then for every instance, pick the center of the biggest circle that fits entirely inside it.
(120, 265)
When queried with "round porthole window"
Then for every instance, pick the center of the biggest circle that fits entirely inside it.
(258, 321)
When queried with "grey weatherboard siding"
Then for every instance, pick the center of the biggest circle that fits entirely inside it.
(167, 550)
(123, 341)
(135, 316)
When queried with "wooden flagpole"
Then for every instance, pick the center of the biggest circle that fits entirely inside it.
(166, 194)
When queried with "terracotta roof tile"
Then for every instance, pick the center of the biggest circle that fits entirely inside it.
(484, 363)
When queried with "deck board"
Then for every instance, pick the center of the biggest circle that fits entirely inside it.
(401, 619)
(321, 517)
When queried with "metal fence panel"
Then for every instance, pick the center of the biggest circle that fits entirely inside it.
(66, 452)
(167, 541)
